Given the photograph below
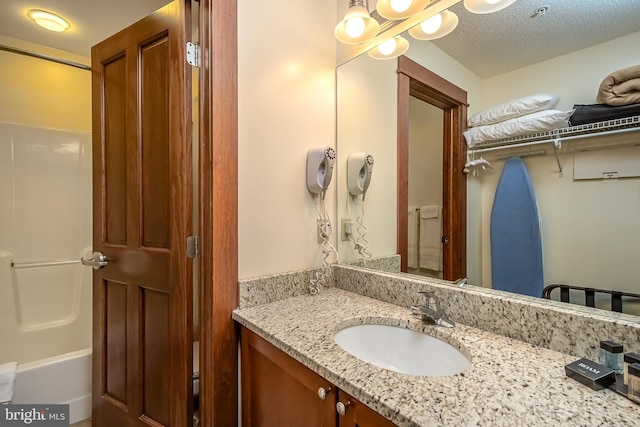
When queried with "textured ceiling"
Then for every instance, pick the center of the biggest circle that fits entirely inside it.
(486, 44)
(512, 38)
(91, 20)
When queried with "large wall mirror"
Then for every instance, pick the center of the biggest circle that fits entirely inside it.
(589, 227)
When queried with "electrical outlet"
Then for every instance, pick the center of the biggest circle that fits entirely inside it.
(324, 226)
(346, 229)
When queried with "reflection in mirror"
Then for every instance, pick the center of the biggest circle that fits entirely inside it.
(424, 229)
(367, 101)
(589, 227)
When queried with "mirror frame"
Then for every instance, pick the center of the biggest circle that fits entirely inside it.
(419, 82)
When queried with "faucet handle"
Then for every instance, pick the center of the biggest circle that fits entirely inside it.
(432, 300)
(416, 311)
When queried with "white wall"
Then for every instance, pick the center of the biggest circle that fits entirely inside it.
(286, 75)
(590, 228)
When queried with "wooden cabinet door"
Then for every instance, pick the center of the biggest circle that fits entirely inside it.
(278, 391)
(142, 298)
(358, 414)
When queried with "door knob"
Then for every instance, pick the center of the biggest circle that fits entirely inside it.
(97, 260)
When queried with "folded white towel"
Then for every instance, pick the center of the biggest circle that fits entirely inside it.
(429, 211)
(7, 378)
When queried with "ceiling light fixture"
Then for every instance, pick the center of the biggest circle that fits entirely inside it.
(391, 48)
(357, 26)
(486, 6)
(400, 9)
(435, 27)
(48, 20)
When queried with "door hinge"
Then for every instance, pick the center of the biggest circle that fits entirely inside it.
(193, 247)
(193, 54)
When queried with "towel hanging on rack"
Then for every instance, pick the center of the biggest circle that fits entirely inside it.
(430, 247)
(429, 211)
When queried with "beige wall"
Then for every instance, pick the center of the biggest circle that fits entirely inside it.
(366, 110)
(286, 69)
(43, 93)
(575, 76)
(589, 228)
(425, 153)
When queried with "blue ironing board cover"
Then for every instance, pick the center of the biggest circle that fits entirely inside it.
(516, 244)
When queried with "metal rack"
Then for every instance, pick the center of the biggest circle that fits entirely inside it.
(556, 136)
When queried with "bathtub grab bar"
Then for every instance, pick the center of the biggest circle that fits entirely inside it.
(18, 265)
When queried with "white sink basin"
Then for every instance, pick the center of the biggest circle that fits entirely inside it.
(402, 350)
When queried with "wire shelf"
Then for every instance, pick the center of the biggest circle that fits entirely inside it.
(604, 127)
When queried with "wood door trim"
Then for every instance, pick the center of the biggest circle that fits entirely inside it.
(415, 80)
(181, 327)
(218, 177)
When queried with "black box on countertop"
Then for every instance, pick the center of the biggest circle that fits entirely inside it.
(590, 373)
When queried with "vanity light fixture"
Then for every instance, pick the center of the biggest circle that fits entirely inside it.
(48, 20)
(357, 26)
(391, 48)
(486, 6)
(400, 9)
(435, 27)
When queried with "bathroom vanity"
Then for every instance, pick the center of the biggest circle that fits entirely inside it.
(289, 356)
(277, 390)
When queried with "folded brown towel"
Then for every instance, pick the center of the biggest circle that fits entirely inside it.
(621, 87)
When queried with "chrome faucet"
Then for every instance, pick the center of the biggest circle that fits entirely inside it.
(431, 312)
(461, 282)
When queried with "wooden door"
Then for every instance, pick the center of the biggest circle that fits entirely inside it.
(142, 190)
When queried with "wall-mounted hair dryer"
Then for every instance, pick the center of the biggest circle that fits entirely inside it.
(320, 163)
(359, 167)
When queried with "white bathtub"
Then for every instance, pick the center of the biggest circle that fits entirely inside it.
(64, 379)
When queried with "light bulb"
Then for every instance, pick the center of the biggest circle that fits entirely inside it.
(432, 24)
(387, 47)
(354, 27)
(492, 1)
(400, 5)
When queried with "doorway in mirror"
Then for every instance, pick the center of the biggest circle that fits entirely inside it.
(415, 81)
(424, 227)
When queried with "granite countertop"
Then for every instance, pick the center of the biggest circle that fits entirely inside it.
(509, 382)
